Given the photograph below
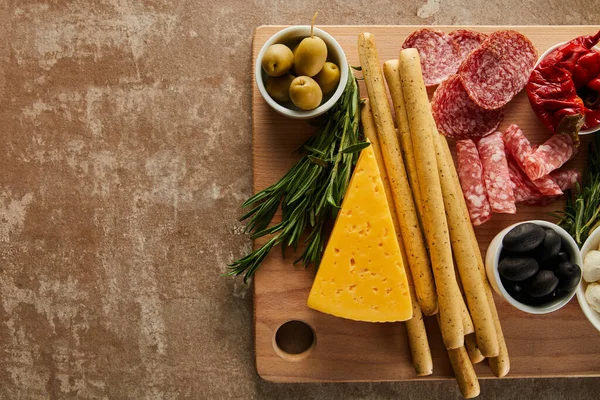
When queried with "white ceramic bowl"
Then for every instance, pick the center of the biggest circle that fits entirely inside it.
(550, 50)
(591, 243)
(492, 258)
(335, 54)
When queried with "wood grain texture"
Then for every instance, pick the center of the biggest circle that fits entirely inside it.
(563, 343)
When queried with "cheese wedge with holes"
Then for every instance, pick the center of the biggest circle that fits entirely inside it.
(361, 276)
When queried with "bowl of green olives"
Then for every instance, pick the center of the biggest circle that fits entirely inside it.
(301, 71)
(534, 265)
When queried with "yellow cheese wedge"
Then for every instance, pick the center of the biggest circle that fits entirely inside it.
(361, 276)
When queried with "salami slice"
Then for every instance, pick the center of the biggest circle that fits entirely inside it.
(470, 173)
(566, 179)
(457, 116)
(524, 190)
(440, 54)
(467, 40)
(550, 155)
(520, 148)
(496, 174)
(497, 70)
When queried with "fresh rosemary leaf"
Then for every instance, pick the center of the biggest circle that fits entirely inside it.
(318, 161)
(582, 210)
(311, 192)
(356, 148)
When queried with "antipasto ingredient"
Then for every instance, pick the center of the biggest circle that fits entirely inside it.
(439, 53)
(328, 78)
(392, 77)
(591, 266)
(434, 217)
(515, 268)
(550, 155)
(495, 72)
(524, 237)
(311, 54)
(279, 87)
(592, 296)
(564, 88)
(457, 116)
(550, 246)
(305, 93)
(361, 276)
(464, 372)
(542, 284)
(424, 283)
(496, 174)
(580, 216)
(277, 60)
(519, 147)
(471, 345)
(470, 172)
(467, 40)
(568, 274)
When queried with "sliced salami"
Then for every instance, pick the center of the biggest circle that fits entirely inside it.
(457, 116)
(520, 148)
(550, 155)
(467, 40)
(497, 70)
(524, 190)
(566, 179)
(496, 174)
(440, 54)
(470, 173)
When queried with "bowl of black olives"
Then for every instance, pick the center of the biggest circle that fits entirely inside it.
(534, 265)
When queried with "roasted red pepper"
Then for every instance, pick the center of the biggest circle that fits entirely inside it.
(564, 88)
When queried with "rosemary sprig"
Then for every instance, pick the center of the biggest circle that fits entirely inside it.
(311, 192)
(582, 211)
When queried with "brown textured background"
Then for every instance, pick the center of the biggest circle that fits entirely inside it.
(124, 157)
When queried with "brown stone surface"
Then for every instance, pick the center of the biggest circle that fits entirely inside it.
(124, 156)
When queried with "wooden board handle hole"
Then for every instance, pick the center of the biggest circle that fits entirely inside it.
(294, 340)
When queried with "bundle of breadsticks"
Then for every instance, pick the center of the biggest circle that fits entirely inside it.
(445, 267)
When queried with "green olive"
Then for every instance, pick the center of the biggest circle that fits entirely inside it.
(310, 56)
(277, 60)
(305, 93)
(279, 87)
(328, 78)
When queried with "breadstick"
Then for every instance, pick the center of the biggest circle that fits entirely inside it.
(465, 255)
(415, 327)
(471, 346)
(464, 372)
(392, 77)
(434, 216)
(467, 322)
(499, 365)
(412, 237)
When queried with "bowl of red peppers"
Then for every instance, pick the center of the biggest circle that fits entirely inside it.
(564, 87)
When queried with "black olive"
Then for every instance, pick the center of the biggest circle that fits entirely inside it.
(542, 284)
(568, 274)
(512, 287)
(517, 268)
(523, 237)
(563, 256)
(538, 301)
(550, 246)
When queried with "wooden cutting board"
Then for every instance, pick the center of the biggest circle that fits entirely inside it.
(563, 343)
